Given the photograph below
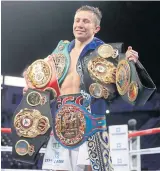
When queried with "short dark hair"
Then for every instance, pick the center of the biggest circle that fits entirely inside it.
(94, 10)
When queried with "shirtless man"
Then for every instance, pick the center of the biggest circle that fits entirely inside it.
(86, 25)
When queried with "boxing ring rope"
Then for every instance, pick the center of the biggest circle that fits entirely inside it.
(131, 136)
(6, 130)
(144, 132)
(155, 150)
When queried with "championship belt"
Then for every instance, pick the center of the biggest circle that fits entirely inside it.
(73, 124)
(31, 125)
(61, 59)
(99, 67)
(133, 82)
(42, 75)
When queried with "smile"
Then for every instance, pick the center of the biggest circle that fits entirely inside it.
(80, 31)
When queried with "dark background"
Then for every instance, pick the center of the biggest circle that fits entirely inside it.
(31, 30)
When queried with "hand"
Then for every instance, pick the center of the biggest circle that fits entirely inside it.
(132, 55)
(50, 57)
(25, 89)
(28, 83)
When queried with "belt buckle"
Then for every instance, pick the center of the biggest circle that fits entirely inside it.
(43, 76)
(70, 125)
(102, 70)
(30, 123)
(74, 124)
(39, 73)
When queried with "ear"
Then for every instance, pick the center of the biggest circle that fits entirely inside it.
(97, 29)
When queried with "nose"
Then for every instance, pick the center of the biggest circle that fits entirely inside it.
(80, 24)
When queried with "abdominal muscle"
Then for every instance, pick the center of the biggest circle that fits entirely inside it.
(71, 84)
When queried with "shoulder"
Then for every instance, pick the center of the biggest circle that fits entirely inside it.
(98, 41)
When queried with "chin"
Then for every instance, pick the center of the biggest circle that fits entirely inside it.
(81, 38)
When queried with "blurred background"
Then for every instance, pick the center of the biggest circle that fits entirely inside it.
(30, 30)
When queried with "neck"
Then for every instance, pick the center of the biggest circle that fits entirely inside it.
(79, 45)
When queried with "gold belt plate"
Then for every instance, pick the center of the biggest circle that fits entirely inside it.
(106, 51)
(97, 90)
(39, 73)
(133, 91)
(70, 125)
(23, 148)
(102, 70)
(30, 123)
(123, 75)
(34, 98)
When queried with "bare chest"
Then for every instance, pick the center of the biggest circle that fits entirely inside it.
(74, 55)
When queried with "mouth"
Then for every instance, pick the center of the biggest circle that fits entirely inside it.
(79, 31)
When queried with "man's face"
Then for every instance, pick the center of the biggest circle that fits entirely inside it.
(84, 26)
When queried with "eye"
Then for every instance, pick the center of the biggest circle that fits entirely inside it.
(86, 21)
(76, 20)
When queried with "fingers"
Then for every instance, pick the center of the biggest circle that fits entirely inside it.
(129, 47)
(131, 54)
(131, 51)
(47, 58)
(25, 90)
(132, 59)
(28, 83)
(50, 57)
(25, 77)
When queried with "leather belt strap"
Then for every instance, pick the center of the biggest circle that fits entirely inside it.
(133, 82)
(31, 125)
